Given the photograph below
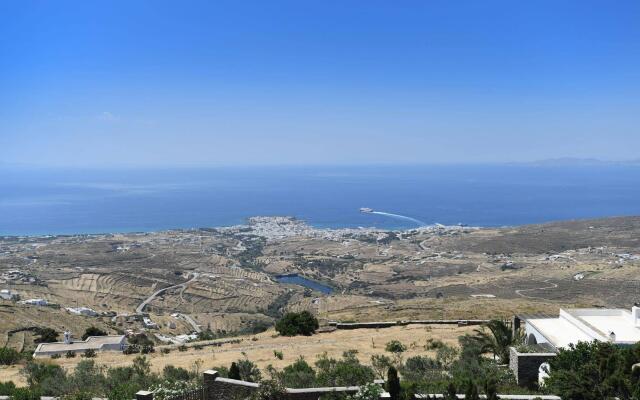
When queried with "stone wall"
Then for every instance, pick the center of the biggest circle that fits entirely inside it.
(224, 388)
(525, 366)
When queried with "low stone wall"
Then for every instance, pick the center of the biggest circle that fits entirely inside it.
(224, 388)
(388, 324)
(525, 366)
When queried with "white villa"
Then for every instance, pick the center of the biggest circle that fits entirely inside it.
(96, 343)
(548, 334)
(618, 326)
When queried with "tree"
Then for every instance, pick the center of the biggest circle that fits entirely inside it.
(491, 389)
(298, 375)
(381, 364)
(451, 393)
(249, 371)
(496, 341)
(471, 391)
(346, 371)
(292, 324)
(234, 372)
(93, 331)
(46, 335)
(596, 370)
(393, 384)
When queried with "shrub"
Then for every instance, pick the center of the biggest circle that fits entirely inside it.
(25, 394)
(55, 356)
(172, 373)
(278, 354)
(381, 364)
(46, 335)
(269, 390)
(70, 354)
(165, 350)
(298, 375)
(433, 344)
(234, 371)
(8, 356)
(89, 353)
(147, 348)
(7, 388)
(248, 371)
(93, 331)
(182, 347)
(292, 324)
(168, 390)
(344, 372)
(395, 346)
(370, 391)
(132, 349)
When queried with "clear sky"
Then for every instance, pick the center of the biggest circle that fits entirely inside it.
(111, 83)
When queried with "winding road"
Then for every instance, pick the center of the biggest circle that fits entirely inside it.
(149, 299)
(519, 292)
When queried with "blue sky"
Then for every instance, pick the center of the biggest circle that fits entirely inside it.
(120, 83)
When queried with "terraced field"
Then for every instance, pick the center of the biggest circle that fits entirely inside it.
(453, 272)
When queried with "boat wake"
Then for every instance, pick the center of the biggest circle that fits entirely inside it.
(398, 216)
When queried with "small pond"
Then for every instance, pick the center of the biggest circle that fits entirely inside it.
(302, 281)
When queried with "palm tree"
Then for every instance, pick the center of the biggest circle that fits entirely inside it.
(497, 340)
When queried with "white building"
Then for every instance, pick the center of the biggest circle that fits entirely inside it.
(148, 323)
(96, 343)
(6, 294)
(618, 326)
(35, 302)
(88, 312)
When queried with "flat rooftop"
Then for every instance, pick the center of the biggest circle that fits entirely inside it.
(560, 332)
(617, 321)
(92, 342)
(587, 325)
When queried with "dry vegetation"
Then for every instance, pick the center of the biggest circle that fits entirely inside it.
(225, 278)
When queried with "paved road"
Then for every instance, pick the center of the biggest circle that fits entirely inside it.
(149, 299)
(192, 322)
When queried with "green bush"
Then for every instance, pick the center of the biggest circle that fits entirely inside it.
(70, 354)
(93, 331)
(395, 346)
(7, 388)
(596, 370)
(298, 375)
(172, 373)
(8, 356)
(292, 324)
(25, 394)
(89, 353)
(46, 335)
(132, 349)
(147, 348)
(346, 371)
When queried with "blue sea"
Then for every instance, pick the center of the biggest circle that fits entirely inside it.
(57, 201)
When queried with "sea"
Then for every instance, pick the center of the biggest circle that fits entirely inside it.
(73, 201)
